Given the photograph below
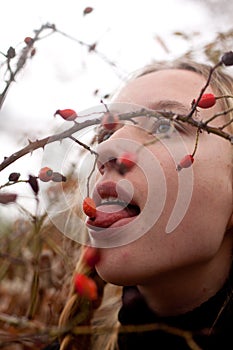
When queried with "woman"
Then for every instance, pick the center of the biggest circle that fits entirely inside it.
(175, 268)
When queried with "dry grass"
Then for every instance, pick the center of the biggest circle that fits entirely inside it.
(36, 261)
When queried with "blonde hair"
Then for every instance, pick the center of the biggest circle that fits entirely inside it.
(105, 311)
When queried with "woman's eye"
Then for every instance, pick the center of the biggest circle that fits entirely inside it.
(162, 126)
(152, 125)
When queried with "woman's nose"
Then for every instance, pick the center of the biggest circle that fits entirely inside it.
(107, 166)
(123, 140)
(108, 152)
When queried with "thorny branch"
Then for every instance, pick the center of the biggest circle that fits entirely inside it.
(226, 59)
(32, 146)
(26, 51)
(21, 60)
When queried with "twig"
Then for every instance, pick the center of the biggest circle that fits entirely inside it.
(195, 104)
(229, 110)
(83, 145)
(92, 48)
(32, 146)
(54, 332)
(21, 61)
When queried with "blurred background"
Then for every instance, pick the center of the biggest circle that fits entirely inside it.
(87, 49)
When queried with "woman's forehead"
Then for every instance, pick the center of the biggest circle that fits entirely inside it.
(169, 89)
(168, 84)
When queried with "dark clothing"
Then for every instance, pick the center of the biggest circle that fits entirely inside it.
(211, 328)
(54, 346)
(211, 324)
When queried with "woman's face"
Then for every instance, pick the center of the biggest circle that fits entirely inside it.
(201, 194)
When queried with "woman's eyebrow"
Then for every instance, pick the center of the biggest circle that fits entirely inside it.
(171, 104)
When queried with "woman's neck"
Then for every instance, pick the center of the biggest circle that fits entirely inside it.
(187, 288)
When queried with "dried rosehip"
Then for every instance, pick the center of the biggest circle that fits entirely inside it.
(227, 58)
(185, 162)
(45, 174)
(6, 198)
(110, 121)
(11, 52)
(67, 114)
(87, 10)
(126, 161)
(28, 40)
(85, 286)
(33, 183)
(91, 256)
(57, 177)
(33, 52)
(207, 101)
(89, 207)
(14, 177)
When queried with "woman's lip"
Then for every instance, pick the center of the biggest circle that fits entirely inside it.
(114, 213)
(116, 224)
(118, 234)
(113, 189)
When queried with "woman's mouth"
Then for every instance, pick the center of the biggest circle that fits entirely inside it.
(113, 207)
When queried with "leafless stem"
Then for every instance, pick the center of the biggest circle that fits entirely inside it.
(92, 48)
(32, 146)
(195, 104)
(227, 124)
(91, 173)
(83, 145)
(38, 332)
(23, 56)
(229, 110)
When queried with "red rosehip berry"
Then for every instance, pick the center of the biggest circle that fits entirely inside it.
(227, 58)
(91, 256)
(207, 101)
(67, 114)
(85, 286)
(126, 161)
(110, 121)
(45, 174)
(89, 207)
(185, 162)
